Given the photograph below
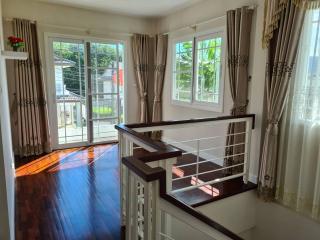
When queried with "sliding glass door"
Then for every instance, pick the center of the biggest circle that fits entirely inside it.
(105, 81)
(88, 78)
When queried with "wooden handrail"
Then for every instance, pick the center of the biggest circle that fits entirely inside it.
(194, 120)
(165, 151)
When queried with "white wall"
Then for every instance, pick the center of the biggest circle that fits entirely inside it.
(75, 21)
(279, 223)
(246, 215)
(236, 213)
(6, 156)
(201, 12)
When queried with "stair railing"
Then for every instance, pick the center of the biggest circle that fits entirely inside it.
(147, 206)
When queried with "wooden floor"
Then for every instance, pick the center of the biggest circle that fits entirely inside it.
(69, 194)
(74, 193)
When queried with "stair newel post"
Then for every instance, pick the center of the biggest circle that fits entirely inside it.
(123, 177)
(125, 150)
(168, 165)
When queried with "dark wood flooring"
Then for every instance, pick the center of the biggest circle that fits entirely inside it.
(69, 194)
(74, 193)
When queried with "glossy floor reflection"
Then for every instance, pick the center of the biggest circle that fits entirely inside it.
(69, 194)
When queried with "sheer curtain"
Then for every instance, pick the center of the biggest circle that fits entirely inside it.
(298, 180)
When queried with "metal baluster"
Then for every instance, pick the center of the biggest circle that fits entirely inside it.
(197, 165)
(246, 162)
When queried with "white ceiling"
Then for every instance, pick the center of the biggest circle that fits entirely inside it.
(143, 8)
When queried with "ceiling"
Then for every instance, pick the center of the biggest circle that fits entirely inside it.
(142, 8)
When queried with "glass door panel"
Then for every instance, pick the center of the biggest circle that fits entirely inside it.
(106, 78)
(89, 95)
(70, 85)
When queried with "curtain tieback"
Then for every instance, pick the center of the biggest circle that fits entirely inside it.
(157, 99)
(273, 127)
(143, 97)
(238, 109)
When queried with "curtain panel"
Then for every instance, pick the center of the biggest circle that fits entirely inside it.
(160, 62)
(160, 59)
(282, 51)
(30, 98)
(239, 23)
(273, 12)
(298, 170)
(142, 66)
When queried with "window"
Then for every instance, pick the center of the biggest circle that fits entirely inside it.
(198, 71)
(299, 145)
(306, 94)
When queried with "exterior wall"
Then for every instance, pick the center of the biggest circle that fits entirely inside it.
(201, 12)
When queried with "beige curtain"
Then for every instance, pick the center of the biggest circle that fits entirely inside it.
(273, 12)
(161, 47)
(142, 66)
(31, 106)
(282, 50)
(238, 39)
(298, 170)
(160, 60)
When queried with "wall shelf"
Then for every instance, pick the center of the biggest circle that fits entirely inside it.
(14, 55)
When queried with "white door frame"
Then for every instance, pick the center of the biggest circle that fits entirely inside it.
(51, 90)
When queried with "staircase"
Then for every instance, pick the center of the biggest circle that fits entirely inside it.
(158, 178)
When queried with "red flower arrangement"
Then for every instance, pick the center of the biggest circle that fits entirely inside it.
(15, 42)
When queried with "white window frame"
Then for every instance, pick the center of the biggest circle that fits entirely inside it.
(184, 39)
(215, 107)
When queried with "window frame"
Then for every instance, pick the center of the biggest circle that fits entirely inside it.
(195, 38)
(50, 86)
(173, 72)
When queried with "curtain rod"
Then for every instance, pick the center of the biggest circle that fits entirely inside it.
(99, 31)
(194, 26)
(86, 30)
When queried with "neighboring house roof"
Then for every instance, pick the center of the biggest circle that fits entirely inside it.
(63, 62)
(71, 97)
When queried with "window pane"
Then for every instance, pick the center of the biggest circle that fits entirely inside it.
(208, 70)
(70, 87)
(103, 130)
(182, 84)
(104, 106)
(103, 55)
(183, 88)
(104, 80)
(306, 93)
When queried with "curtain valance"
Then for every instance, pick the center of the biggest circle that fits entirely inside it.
(272, 15)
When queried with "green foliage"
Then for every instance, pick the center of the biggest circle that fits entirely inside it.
(103, 111)
(208, 69)
(101, 55)
(184, 65)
